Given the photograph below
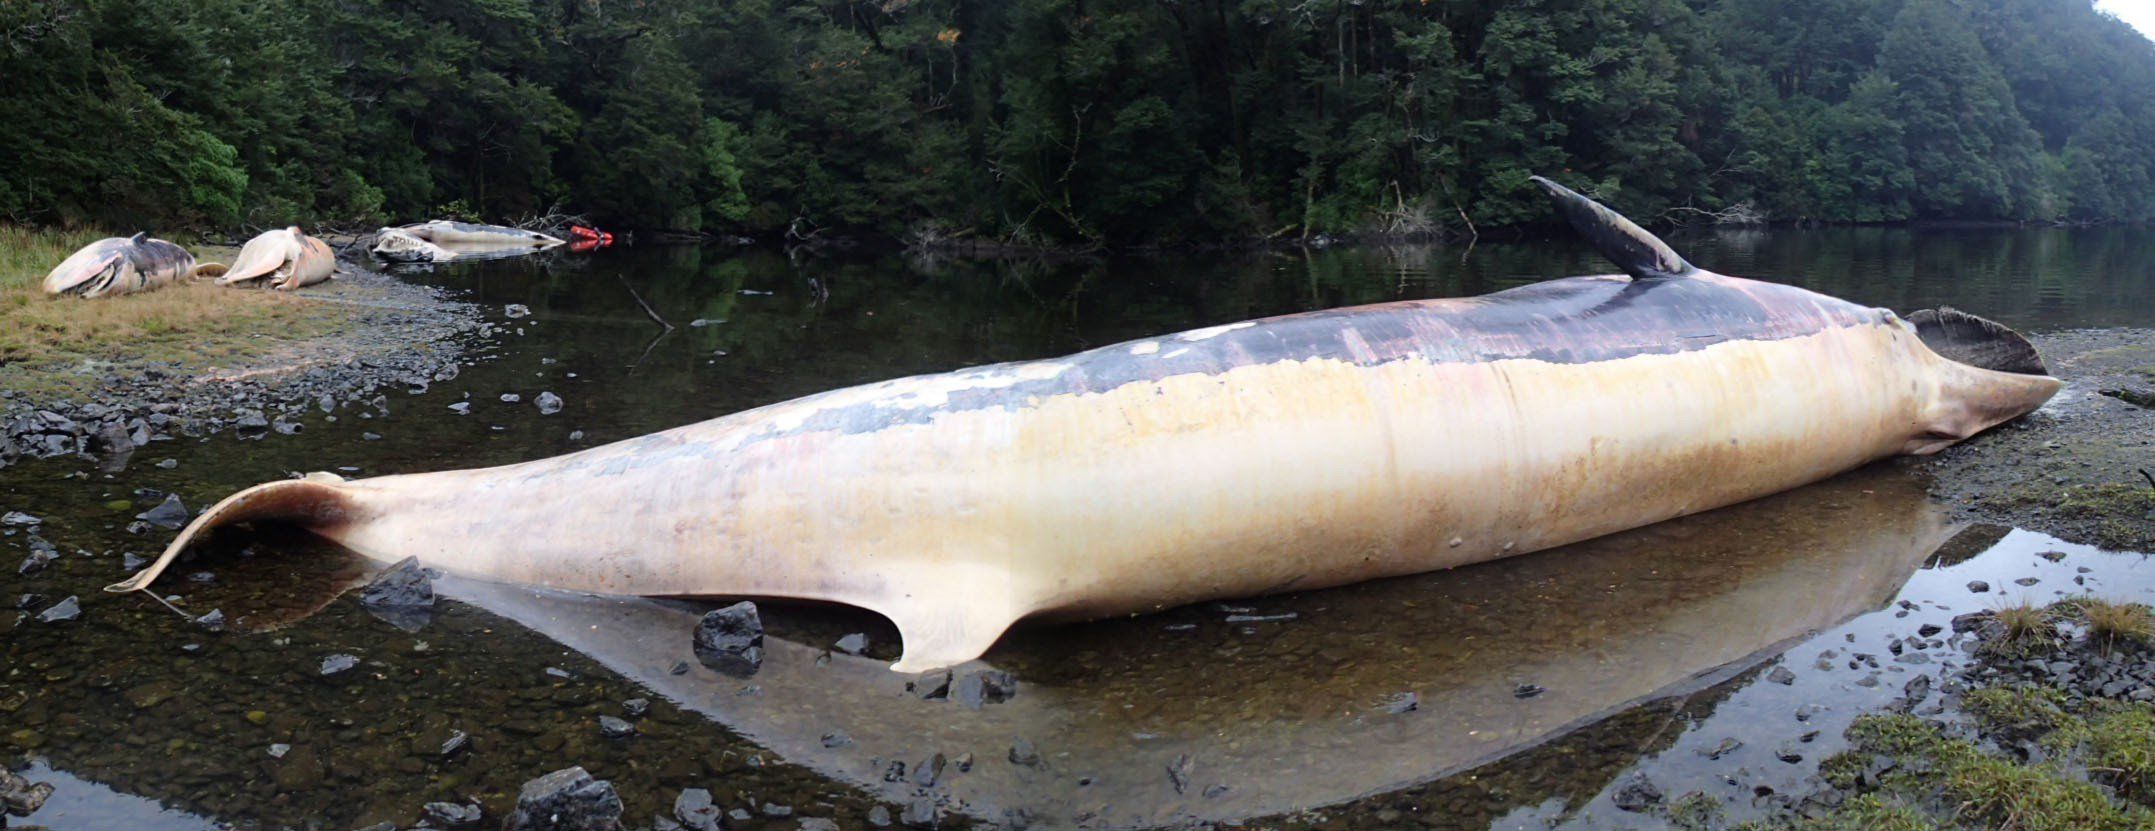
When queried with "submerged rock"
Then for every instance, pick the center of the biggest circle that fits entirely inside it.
(451, 814)
(548, 403)
(62, 612)
(566, 800)
(18, 518)
(695, 811)
(614, 728)
(338, 663)
(1637, 795)
(730, 640)
(170, 514)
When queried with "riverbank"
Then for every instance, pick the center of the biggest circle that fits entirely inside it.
(106, 377)
(2073, 469)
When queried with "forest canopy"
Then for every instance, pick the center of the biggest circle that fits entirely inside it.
(1069, 121)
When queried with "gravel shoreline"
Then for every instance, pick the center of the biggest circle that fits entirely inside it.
(398, 336)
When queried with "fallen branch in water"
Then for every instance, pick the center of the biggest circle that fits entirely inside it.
(646, 306)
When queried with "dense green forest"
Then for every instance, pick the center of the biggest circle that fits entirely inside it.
(1069, 121)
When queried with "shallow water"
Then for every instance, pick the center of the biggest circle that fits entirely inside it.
(1649, 650)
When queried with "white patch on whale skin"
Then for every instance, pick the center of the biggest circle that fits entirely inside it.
(1146, 348)
(913, 393)
(1214, 331)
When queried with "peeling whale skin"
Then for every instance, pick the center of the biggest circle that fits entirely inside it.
(1288, 453)
(120, 265)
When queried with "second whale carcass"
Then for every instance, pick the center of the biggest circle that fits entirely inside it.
(1288, 453)
(444, 240)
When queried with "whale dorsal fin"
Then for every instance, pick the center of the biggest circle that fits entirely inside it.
(1640, 254)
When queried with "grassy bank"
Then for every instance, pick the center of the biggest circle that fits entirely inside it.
(57, 346)
(2018, 748)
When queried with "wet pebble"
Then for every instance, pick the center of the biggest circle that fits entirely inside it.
(461, 408)
(1527, 691)
(2027, 581)
(516, 310)
(636, 707)
(1978, 586)
(773, 809)
(19, 796)
(338, 663)
(458, 742)
(920, 813)
(549, 404)
(986, 686)
(36, 562)
(1403, 703)
(213, 621)
(818, 824)
(1782, 676)
(19, 519)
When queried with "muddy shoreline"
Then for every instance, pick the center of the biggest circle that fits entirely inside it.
(397, 337)
(2073, 468)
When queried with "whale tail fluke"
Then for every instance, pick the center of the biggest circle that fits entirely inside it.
(314, 502)
(1965, 338)
(1640, 254)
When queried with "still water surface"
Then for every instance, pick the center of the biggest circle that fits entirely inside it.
(1514, 694)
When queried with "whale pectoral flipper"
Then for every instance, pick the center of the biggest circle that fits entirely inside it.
(312, 501)
(1640, 254)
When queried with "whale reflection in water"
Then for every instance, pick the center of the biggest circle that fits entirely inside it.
(1246, 712)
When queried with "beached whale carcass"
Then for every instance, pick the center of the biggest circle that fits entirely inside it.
(286, 258)
(120, 265)
(1293, 452)
(443, 240)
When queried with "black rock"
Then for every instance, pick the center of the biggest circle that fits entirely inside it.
(402, 585)
(1917, 689)
(987, 686)
(1971, 621)
(730, 640)
(338, 663)
(614, 728)
(1929, 629)
(170, 514)
(836, 740)
(566, 800)
(2027, 581)
(695, 811)
(1781, 675)
(1978, 586)
(451, 815)
(548, 403)
(62, 612)
(934, 686)
(1527, 691)
(1638, 794)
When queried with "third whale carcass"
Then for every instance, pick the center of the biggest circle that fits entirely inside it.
(1293, 452)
